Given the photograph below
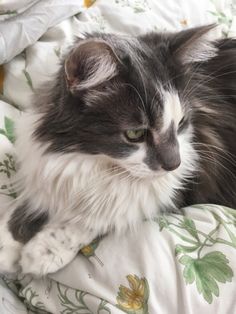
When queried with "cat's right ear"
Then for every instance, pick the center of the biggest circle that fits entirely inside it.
(90, 63)
(194, 44)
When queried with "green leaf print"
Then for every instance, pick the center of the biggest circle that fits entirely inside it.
(28, 79)
(139, 10)
(163, 222)
(8, 12)
(231, 235)
(8, 190)
(8, 168)
(189, 225)
(57, 51)
(230, 214)
(222, 18)
(206, 272)
(8, 130)
(7, 165)
(212, 268)
(185, 249)
(138, 6)
(72, 304)
(32, 302)
(103, 308)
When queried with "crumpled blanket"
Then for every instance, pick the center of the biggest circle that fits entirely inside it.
(24, 22)
(176, 264)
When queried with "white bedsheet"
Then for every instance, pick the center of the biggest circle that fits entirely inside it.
(182, 263)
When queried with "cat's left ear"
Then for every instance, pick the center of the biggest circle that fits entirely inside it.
(194, 44)
(90, 63)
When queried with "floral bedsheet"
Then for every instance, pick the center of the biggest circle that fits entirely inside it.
(181, 263)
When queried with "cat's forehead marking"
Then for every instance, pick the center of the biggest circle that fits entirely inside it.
(172, 110)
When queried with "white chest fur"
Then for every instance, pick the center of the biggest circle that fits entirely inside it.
(91, 190)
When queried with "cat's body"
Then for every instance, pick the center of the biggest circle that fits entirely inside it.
(132, 127)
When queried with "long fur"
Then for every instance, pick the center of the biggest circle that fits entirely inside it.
(76, 165)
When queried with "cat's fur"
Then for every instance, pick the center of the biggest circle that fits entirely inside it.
(81, 177)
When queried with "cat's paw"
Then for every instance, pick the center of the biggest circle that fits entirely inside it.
(9, 251)
(40, 260)
(9, 258)
(47, 252)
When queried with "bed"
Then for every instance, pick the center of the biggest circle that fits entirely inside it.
(178, 263)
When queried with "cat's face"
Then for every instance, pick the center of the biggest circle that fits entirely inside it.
(137, 128)
(125, 99)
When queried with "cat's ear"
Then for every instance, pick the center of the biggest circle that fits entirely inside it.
(194, 44)
(90, 63)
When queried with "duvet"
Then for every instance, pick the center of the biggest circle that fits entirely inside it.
(180, 263)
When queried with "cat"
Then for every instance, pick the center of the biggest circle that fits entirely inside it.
(132, 126)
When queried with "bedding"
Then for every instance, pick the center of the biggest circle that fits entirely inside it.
(179, 263)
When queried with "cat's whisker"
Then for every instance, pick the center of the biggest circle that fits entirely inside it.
(221, 98)
(207, 78)
(216, 148)
(137, 92)
(152, 105)
(205, 156)
(211, 74)
(215, 153)
(224, 179)
(190, 79)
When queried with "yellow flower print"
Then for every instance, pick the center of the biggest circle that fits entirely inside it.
(89, 250)
(88, 3)
(134, 299)
(184, 23)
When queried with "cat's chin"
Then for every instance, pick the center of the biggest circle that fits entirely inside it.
(149, 175)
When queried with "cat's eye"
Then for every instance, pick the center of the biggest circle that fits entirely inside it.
(135, 135)
(182, 124)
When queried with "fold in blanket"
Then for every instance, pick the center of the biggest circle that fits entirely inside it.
(25, 27)
(1, 78)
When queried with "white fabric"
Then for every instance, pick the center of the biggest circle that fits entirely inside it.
(24, 29)
(156, 252)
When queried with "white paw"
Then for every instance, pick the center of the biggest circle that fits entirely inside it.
(40, 260)
(9, 258)
(47, 252)
(9, 251)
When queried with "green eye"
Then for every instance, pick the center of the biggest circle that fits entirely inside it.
(135, 135)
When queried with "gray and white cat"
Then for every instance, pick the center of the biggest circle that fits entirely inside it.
(131, 127)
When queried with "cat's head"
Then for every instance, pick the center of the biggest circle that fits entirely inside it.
(127, 98)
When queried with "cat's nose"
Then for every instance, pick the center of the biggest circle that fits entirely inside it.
(169, 157)
(171, 166)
